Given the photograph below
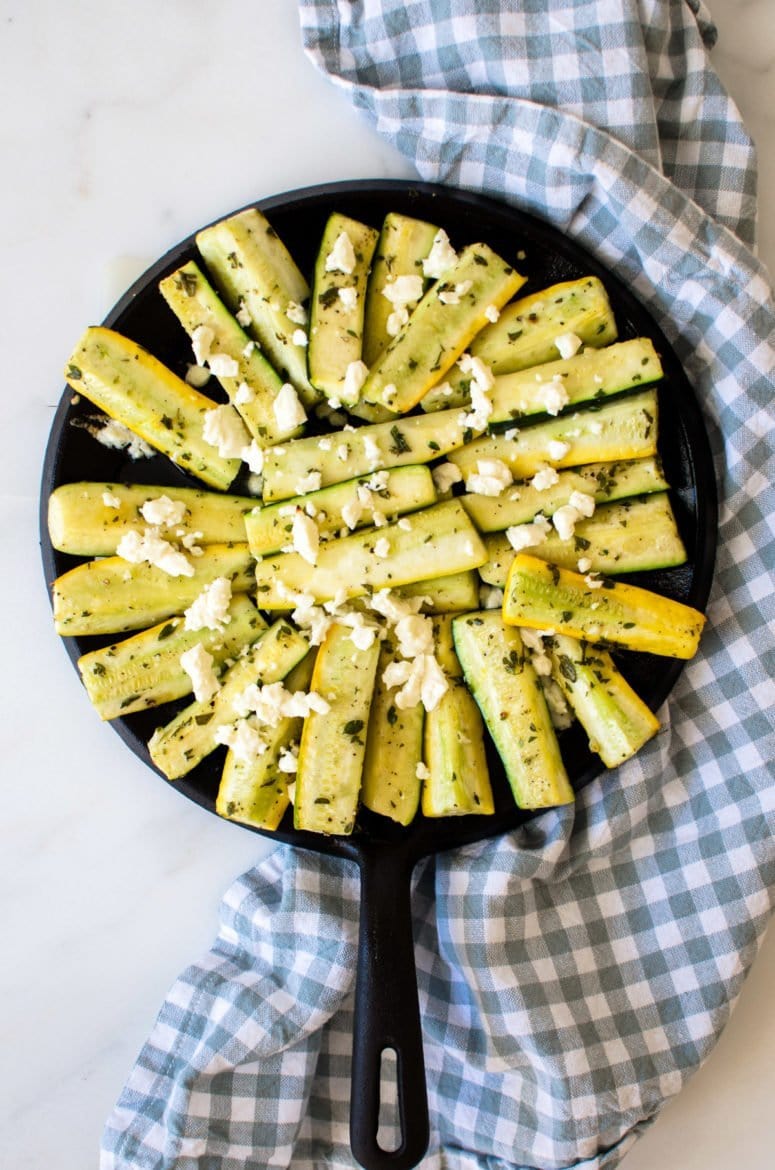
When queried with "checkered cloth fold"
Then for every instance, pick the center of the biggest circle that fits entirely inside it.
(575, 973)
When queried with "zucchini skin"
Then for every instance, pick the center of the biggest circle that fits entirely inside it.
(441, 539)
(333, 746)
(195, 302)
(403, 244)
(605, 482)
(543, 596)
(251, 266)
(394, 748)
(627, 536)
(110, 595)
(136, 389)
(458, 779)
(406, 490)
(178, 746)
(402, 376)
(623, 429)
(257, 793)
(501, 678)
(80, 523)
(614, 717)
(336, 331)
(144, 670)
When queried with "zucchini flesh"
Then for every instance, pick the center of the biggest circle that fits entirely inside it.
(332, 749)
(110, 595)
(195, 303)
(458, 779)
(543, 596)
(501, 678)
(441, 540)
(616, 720)
(134, 388)
(403, 244)
(590, 376)
(184, 742)
(629, 536)
(81, 523)
(144, 670)
(452, 593)
(336, 326)
(391, 785)
(254, 270)
(525, 334)
(256, 792)
(406, 489)
(623, 429)
(346, 454)
(437, 333)
(604, 481)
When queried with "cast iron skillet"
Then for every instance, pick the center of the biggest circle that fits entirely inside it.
(386, 1002)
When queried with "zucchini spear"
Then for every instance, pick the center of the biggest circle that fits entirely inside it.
(543, 596)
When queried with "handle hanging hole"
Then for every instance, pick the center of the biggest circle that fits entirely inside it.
(389, 1135)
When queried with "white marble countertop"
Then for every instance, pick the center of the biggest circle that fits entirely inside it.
(123, 128)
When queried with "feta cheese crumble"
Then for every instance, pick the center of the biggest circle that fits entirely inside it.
(223, 429)
(568, 344)
(441, 257)
(150, 546)
(210, 610)
(198, 665)
(163, 512)
(296, 313)
(341, 258)
(445, 475)
(553, 396)
(522, 536)
(288, 410)
(491, 478)
(299, 337)
(110, 501)
(382, 547)
(544, 478)
(115, 435)
(557, 450)
(305, 537)
(354, 377)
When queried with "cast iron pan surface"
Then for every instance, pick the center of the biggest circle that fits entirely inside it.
(387, 1013)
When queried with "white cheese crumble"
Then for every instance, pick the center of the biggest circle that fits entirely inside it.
(150, 546)
(163, 512)
(396, 321)
(299, 337)
(244, 395)
(453, 296)
(568, 344)
(421, 680)
(202, 339)
(492, 313)
(288, 410)
(254, 457)
(544, 478)
(422, 771)
(521, 536)
(244, 741)
(372, 452)
(341, 258)
(296, 313)
(223, 429)
(309, 483)
(354, 377)
(440, 258)
(490, 596)
(583, 503)
(348, 298)
(557, 450)
(405, 524)
(223, 366)
(197, 376)
(382, 547)
(593, 582)
(110, 501)
(564, 520)
(243, 315)
(288, 760)
(491, 478)
(584, 564)
(210, 610)
(114, 434)
(553, 396)
(198, 665)
(305, 537)
(404, 290)
(351, 513)
(445, 475)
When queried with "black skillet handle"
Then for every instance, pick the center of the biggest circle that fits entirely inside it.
(387, 1014)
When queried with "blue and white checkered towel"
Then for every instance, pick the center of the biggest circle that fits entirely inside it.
(574, 974)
